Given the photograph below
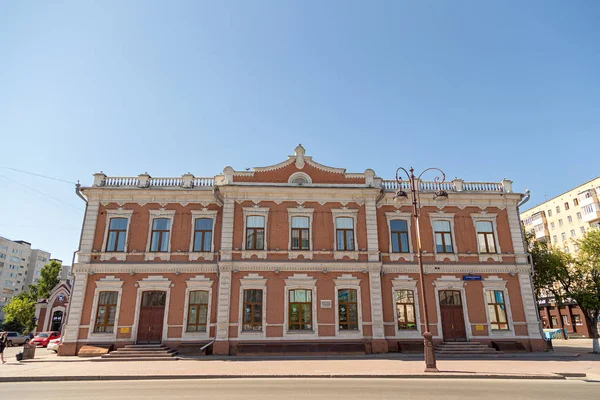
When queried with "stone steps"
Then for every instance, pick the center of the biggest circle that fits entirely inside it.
(144, 352)
(464, 348)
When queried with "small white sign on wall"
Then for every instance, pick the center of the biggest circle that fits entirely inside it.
(325, 303)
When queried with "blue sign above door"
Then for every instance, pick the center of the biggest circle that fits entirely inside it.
(471, 277)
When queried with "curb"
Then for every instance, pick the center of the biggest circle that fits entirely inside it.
(189, 377)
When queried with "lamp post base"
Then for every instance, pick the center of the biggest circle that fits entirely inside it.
(430, 363)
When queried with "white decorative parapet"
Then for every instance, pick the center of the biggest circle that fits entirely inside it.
(145, 181)
(204, 182)
(457, 185)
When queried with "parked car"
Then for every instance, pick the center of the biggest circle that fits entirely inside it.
(53, 345)
(42, 338)
(15, 339)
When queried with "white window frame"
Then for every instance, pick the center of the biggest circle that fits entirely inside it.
(300, 175)
(449, 217)
(301, 212)
(405, 216)
(249, 282)
(489, 217)
(495, 283)
(347, 281)
(452, 283)
(406, 283)
(301, 281)
(107, 284)
(348, 213)
(119, 255)
(199, 282)
(255, 211)
(169, 214)
(209, 214)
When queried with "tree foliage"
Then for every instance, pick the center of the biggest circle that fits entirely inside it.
(49, 278)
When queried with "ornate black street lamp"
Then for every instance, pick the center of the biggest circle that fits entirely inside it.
(399, 197)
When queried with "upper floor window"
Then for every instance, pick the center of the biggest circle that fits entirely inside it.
(255, 232)
(560, 222)
(399, 231)
(582, 229)
(557, 209)
(552, 225)
(197, 311)
(579, 215)
(443, 237)
(588, 194)
(347, 309)
(485, 237)
(573, 232)
(300, 233)
(549, 213)
(570, 219)
(161, 228)
(554, 239)
(567, 205)
(575, 202)
(203, 234)
(564, 236)
(117, 232)
(344, 227)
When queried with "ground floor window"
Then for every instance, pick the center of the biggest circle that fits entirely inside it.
(197, 311)
(554, 320)
(300, 309)
(405, 310)
(565, 319)
(253, 307)
(347, 309)
(577, 319)
(56, 321)
(107, 310)
(497, 310)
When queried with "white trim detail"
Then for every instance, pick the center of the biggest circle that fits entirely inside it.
(119, 255)
(451, 283)
(107, 284)
(303, 175)
(301, 281)
(151, 283)
(492, 283)
(257, 211)
(252, 281)
(196, 255)
(444, 216)
(165, 256)
(489, 217)
(405, 216)
(404, 282)
(301, 212)
(199, 282)
(347, 281)
(349, 213)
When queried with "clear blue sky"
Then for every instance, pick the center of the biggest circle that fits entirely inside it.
(484, 90)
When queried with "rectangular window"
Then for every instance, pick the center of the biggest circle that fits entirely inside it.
(552, 225)
(575, 202)
(3, 256)
(579, 215)
(588, 209)
(570, 219)
(564, 236)
(573, 232)
(565, 319)
(300, 309)
(344, 227)
(549, 213)
(405, 310)
(497, 309)
(347, 310)
(15, 259)
(399, 231)
(107, 310)
(566, 205)
(567, 249)
(554, 239)
(253, 308)
(117, 230)
(558, 209)
(255, 232)
(582, 229)
(577, 319)
(300, 233)
(443, 237)
(554, 321)
(560, 222)
(203, 234)
(197, 311)
(485, 237)
(160, 235)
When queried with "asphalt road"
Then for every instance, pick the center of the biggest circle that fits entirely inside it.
(266, 389)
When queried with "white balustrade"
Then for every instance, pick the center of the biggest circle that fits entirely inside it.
(204, 182)
(120, 181)
(166, 182)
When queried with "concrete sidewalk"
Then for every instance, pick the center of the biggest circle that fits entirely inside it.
(48, 367)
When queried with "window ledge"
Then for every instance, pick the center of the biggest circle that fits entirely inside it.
(484, 257)
(258, 253)
(439, 257)
(405, 256)
(307, 254)
(163, 255)
(339, 255)
(119, 255)
(205, 255)
(300, 332)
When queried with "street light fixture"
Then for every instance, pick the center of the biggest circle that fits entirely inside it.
(440, 196)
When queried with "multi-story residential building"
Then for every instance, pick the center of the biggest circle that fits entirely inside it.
(563, 219)
(18, 265)
(297, 256)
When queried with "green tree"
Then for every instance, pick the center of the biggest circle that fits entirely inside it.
(20, 311)
(48, 278)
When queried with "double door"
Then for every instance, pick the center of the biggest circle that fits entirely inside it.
(152, 311)
(451, 310)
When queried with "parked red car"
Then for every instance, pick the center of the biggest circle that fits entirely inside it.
(42, 338)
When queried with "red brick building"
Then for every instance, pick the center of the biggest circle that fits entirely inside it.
(566, 316)
(51, 313)
(296, 253)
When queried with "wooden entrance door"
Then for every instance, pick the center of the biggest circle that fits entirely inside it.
(152, 313)
(453, 322)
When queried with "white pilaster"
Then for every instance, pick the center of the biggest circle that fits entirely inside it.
(227, 229)
(372, 239)
(529, 306)
(516, 234)
(89, 227)
(223, 305)
(71, 330)
(376, 304)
